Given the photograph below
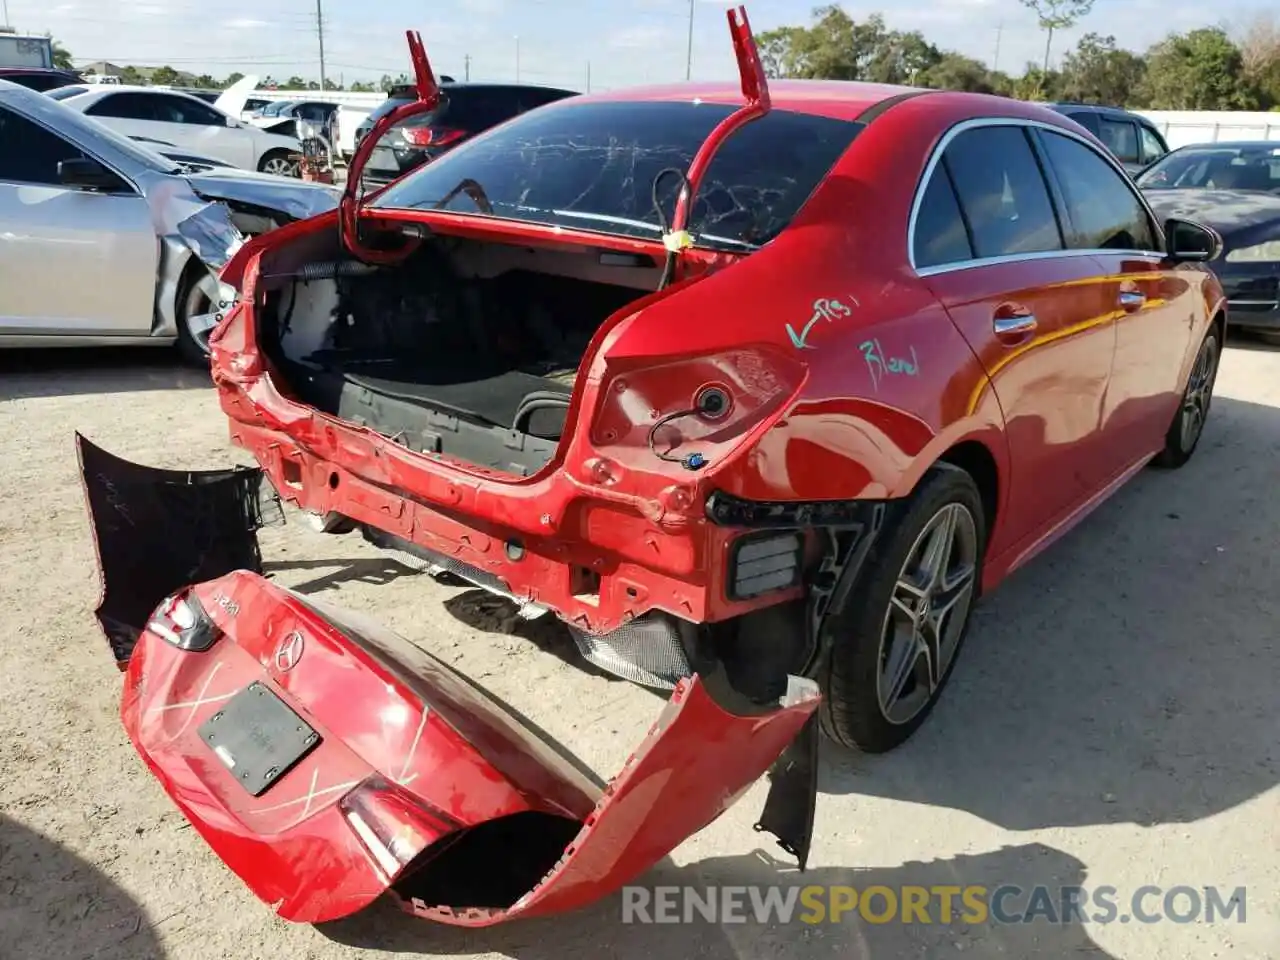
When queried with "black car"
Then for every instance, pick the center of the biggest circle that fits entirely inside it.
(1133, 139)
(465, 109)
(1234, 188)
(40, 79)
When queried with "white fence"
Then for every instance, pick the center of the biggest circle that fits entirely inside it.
(365, 101)
(1184, 127)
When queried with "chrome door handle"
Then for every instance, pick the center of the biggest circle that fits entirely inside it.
(1132, 300)
(1007, 325)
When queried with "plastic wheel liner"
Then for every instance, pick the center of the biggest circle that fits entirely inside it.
(327, 760)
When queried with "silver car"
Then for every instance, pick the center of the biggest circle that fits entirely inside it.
(104, 241)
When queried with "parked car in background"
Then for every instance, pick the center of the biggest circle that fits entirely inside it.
(465, 109)
(40, 78)
(1133, 139)
(252, 105)
(188, 160)
(283, 117)
(185, 121)
(99, 234)
(346, 123)
(1235, 188)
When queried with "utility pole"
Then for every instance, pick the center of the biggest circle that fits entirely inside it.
(320, 36)
(517, 58)
(688, 62)
(588, 76)
(466, 66)
(6, 13)
(995, 62)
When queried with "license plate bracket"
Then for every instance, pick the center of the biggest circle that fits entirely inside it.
(258, 737)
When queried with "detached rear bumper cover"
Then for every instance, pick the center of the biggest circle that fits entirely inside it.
(480, 819)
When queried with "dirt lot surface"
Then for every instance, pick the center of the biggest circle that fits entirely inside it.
(1113, 720)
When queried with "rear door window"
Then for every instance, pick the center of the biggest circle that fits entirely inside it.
(125, 106)
(941, 236)
(1120, 137)
(1152, 147)
(1002, 192)
(1086, 118)
(592, 165)
(1102, 203)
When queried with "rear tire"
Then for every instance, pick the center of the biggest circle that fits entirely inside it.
(279, 162)
(1193, 410)
(899, 636)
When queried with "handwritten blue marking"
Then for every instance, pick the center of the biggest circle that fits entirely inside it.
(823, 309)
(881, 366)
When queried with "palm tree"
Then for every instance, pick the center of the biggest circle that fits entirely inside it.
(61, 56)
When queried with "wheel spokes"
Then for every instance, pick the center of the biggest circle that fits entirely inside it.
(927, 608)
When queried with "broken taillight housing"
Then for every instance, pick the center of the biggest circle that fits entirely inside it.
(431, 136)
(393, 827)
(183, 622)
(694, 411)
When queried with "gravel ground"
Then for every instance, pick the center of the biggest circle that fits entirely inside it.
(1112, 721)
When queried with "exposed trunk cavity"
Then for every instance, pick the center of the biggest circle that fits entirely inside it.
(468, 349)
(489, 866)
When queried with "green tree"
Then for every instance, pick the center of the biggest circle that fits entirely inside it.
(1260, 58)
(1200, 70)
(166, 76)
(1097, 71)
(361, 87)
(836, 47)
(131, 76)
(955, 71)
(206, 82)
(1056, 15)
(388, 83)
(779, 51)
(295, 83)
(61, 56)
(1037, 83)
(897, 57)
(232, 79)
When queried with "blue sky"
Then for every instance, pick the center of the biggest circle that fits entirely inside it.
(557, 38)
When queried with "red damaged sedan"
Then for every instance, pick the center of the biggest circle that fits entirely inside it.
(757, 387)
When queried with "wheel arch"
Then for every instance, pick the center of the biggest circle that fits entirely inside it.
(982, 451)
(977, 460)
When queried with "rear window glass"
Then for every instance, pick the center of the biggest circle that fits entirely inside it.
(387, 105)
(61, 93)
(592, 166)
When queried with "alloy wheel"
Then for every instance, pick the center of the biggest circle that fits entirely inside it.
(927, 613)
(1199, 394)
(280, 166)
(200, 310)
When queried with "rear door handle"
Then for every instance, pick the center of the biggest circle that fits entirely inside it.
(1007, 326)
(1131, 299)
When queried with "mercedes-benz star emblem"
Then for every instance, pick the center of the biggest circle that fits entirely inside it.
(289, 652)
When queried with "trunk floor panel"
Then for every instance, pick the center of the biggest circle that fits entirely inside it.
(493, 399)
